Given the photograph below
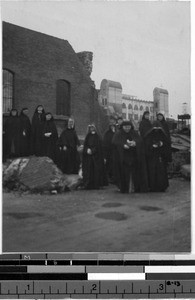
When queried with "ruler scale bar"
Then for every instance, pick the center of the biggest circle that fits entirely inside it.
(96, 262)
(99, 256)
(43, 276)
(77, 276)
(116, 276)
(170, 276)
(97, 287)
(170, 269)
(57, 262)
(13, 269)
(115, 269)
(56, 269)
(85, 262)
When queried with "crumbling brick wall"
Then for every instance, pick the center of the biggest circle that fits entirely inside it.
(38, 61)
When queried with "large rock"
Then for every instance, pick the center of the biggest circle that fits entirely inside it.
(41, 174)
(37, 174)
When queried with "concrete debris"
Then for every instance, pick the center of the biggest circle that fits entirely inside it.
(37, 174)
(186, 171)
(180, 142)
(179, 158)
(181, 153)
(72, 182)
(12, 171)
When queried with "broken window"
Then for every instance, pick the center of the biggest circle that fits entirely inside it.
(63, 97)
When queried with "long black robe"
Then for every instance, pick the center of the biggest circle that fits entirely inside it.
(38, 122)
(69, 160)
(4, 146)
(108, 149)
(168, 153)
(49, 142)
(116, 160)
(156, 161)
(93, 165)
(131, 162)
(12, 136)
(25, 135)
(144, 127)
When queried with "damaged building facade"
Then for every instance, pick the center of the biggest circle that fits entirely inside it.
(42, 69)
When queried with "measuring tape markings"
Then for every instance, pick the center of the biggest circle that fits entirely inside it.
(96, 287)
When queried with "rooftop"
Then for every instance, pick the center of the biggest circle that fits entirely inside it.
(160, 90)
(111, 83)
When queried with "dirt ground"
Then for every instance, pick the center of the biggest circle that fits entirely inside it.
(99, 221)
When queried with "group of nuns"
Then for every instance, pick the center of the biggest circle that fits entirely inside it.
(135, 161)
(21, 138)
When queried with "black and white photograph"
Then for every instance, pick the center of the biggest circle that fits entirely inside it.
(96, 133)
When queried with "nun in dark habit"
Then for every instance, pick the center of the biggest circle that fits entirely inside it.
(145, 124)
(12, 135)
(68, 143)
(163, 123)
(131, 173)
(116, 161)
(157, 152)
(25, 133)
(38, 122)
(50, 136)
(108, 149)
(119, 123)
(93, 160)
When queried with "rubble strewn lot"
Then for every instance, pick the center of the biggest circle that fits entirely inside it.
(102, 220)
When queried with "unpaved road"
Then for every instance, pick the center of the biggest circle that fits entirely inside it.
(98, 221)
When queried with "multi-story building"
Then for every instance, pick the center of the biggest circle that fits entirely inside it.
(128, 106)
(110, 95)
(133, 108)
(161, 101)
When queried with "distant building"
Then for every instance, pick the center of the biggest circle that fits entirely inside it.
(184, 108)
(128, 106)
(110, 95)
(161, 101)
(133, 108)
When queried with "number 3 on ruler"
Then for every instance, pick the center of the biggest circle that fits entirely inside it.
(161, 287)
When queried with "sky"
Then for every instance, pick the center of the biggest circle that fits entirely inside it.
(141, 44)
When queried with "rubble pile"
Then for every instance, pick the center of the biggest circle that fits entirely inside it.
(186, 171)
(180, 142)
(181, 156)
(37, 174)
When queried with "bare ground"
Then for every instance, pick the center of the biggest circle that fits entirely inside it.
(99, 221)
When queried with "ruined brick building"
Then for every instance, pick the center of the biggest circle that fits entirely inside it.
(42, 69)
